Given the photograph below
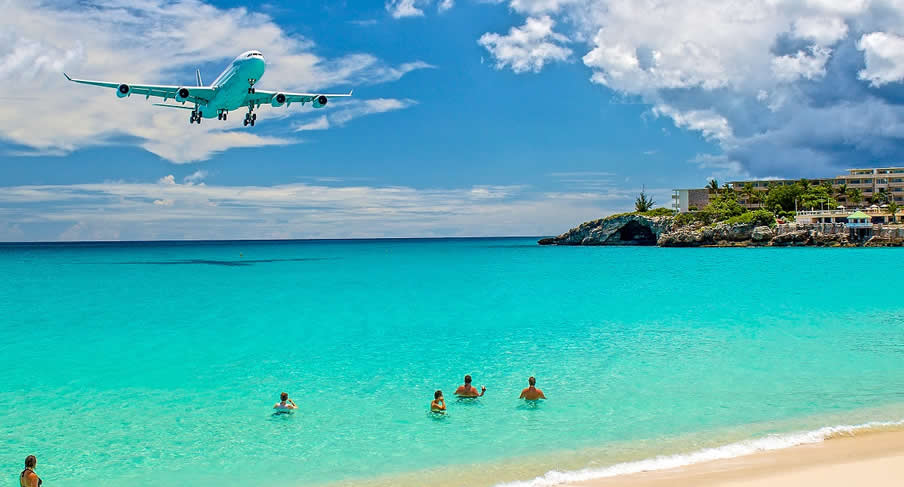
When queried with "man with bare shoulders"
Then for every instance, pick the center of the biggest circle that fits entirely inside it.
(285, 405)
(468, 390)
(531, 393)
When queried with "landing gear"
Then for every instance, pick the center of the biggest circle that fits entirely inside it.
(195, 117)
(251, 82)
(250, 117)
(222, 115)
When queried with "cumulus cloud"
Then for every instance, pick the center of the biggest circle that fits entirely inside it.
(528, 47)
(884, 58)
(171, 210)
(102, 40)
(195, 177)
(784, 88)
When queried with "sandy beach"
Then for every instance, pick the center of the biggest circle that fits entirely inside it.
(875, 459)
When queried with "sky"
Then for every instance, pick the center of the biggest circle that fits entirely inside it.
(469, 117)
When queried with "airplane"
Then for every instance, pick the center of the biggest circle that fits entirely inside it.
(233, 89)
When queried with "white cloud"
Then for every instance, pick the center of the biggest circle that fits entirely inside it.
(132, 211)
(400, 9)
(527, 48)
(319, 123)
(776, 84)
(195, 177)
(102, 40)
(403, 8)
(884, 58)
(801, 65)
(824, 31)
(168, 179)
(352, 109)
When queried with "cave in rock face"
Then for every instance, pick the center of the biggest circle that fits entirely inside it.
(634, 233)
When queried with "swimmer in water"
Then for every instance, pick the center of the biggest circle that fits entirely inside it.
(439, 404)
(531, 393)
(285, 404)
(28, 477)
(469, 391)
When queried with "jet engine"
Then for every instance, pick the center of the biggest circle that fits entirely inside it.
(182, 94)
(320, 101)
(278, 100)
(123, 90)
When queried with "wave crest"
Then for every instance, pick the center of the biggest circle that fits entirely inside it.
(731, 450)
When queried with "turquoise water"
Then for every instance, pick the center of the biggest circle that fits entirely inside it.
(141, 364)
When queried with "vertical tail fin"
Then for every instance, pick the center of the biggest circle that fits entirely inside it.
(198, 73)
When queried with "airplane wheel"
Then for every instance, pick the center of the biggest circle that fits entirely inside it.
(254, 117)
(252, 122)
(224, 115)
(245, 122)
(191, 120)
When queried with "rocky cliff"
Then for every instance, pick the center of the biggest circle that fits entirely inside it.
(628, 229)
(632, 229)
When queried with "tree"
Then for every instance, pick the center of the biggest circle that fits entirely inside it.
(643, 203)
(783, 197)
(881, 197)
(842, 192)
(855, 195)
(750, 193)
(713, 186)
(892, 210)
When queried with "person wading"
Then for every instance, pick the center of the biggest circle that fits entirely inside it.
(28, 477)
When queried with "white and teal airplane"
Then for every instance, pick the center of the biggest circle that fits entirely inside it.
(232, 90)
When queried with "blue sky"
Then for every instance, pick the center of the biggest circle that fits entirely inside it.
(516, 117)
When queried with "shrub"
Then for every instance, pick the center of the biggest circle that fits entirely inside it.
(659, 212)
(756, 218)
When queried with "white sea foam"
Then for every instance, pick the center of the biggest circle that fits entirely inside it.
(732, 450)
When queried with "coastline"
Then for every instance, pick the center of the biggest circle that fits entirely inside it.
(874, 458)
(827, 456)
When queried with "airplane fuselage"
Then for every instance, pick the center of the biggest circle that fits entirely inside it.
(233, 83)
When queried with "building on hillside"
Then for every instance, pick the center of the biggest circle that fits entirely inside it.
(870, 182)
(684, 200)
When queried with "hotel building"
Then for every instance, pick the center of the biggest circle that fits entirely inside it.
(869, 181)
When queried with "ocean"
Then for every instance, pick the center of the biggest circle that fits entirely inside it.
(145, 364)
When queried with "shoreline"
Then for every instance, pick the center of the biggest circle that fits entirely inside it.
(874, 458)
(793, 458)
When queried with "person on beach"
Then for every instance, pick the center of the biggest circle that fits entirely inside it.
(469, 391)
(531, 393)
(285, 404)
(439, 404)
(28, 477)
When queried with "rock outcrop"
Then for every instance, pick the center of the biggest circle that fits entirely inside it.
(628, 229)
(633, 229)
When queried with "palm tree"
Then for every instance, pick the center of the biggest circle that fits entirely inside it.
(855, 195)
(750, 193)
(892, 210)
(841, 192)
(643, 203)
(881, 197)
(713, 186)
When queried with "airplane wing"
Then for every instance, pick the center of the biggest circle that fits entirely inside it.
(196, 94)
(279, 98)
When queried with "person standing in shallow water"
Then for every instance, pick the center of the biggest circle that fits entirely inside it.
(28, 477)
(531, 393)
(439, 404)
(467, 390)
(285, 404)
